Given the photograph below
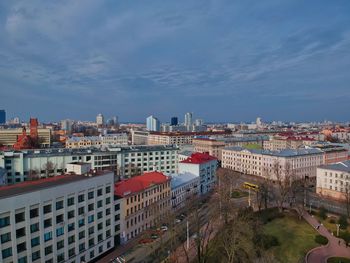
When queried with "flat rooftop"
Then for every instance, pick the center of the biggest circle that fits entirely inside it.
(40, 184)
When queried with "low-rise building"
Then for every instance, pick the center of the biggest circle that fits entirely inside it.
(183, 187)
(333, 180)
(97, 141)
(302, 162)
(145, 199)
(333, 153)
(8, 137)
(68, 218)
(278, 143)
(139, 137)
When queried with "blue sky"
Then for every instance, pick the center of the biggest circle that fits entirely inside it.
(224, 60)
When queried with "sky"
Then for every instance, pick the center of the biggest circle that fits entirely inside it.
(223, 60)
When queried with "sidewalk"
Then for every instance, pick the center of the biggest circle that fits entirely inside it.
(332, 249)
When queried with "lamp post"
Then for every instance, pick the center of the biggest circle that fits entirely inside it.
(338, 225)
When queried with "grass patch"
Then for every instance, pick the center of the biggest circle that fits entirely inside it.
(253, 146)
(338, 260)
(296, 238)
(321, 240)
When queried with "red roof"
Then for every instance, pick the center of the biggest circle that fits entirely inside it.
(199, 158)
(139, 183)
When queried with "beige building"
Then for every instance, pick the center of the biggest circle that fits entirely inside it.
(333, 180)
(139, 137)
(145, 199)
(8, 137)
(303, 162)
(97, 141)
(278, 143)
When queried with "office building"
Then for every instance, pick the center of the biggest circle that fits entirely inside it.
(100, 120)
(69, 218)
(333, 180)
(152, 124)
(66, 125)
(2, 116)
(145, 199)
(174, 121)
(303, 162)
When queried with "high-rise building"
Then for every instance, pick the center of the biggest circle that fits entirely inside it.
(188, 119)
(100, 120)
(198, 122)
(2, 116)
(258, 122)
(115, 120)
(152, 123)
(66, 125)
(174, 121)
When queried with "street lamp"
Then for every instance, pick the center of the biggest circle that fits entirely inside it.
(338, 225)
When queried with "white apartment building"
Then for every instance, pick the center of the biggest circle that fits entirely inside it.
(69, 218)
(183, 186)
(124, 160)
(333, 180)
(303, 162)
(202, 165)
(97, 141)
(139, 137)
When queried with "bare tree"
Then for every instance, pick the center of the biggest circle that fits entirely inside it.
(49, 168)
(347, 197)
(33, 174)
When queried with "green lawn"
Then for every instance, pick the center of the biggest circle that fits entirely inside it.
(296, 238)
(253, 146)
(338, 260)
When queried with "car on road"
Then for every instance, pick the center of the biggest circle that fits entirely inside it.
(164, 228)
(177, 220)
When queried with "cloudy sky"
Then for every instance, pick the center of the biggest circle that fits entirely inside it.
(224, 60)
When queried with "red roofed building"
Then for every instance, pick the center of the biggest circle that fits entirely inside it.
(145, 199)
(203, 165)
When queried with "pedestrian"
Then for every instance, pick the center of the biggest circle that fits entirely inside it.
(339, 242)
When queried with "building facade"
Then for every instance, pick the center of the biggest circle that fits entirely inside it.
(69, 218)
(183, 187)
(2, 116)
(145, 199)
(97, 141)
(281, 143)
(152, 123)
(333, 180)
(139, 137)
(8, 137)
(302, 162)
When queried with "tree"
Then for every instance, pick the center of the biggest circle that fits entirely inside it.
(49, 168)
(33, 174)
(347, 198)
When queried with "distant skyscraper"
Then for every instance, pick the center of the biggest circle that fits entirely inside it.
(2, 116)
(198, 122)
(100, 120)
(115, 120)
(66, 125)
(258, 122)
(174, 121)
(188, 119)
(152, 124)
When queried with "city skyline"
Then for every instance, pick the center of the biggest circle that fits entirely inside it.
(225, 60)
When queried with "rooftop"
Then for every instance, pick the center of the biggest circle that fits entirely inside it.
(341, 166)
(139, 183)
(199, 158)
(189, 133)
(281, 153)
(36, 185)
(178, 180)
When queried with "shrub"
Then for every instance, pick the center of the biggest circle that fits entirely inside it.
(343, 222)
(345, 235)
(332, 221)
(268, 215)
(321, 240)
(266, 241)
(322, 213)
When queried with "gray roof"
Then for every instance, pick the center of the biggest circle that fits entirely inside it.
(186, 153)
(178, 180)
(341, 166)
(281, 153)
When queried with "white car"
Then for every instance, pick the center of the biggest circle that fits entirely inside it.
(164, 228)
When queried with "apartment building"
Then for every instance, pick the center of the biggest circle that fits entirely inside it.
(68, 218)
(8, 137)
(202, 165)
(126, 161)
(333, 180)
(97, 141)
(278, 143)
(333, 153)
(303, 162)
(183, 187)
(145, 199)
(139, 137)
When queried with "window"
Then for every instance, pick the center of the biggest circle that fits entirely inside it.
(60, 257)
(100, 249)
(48, 250)
(99, 204)
(48, 236)
(20, 232)
(71, 252)
(59, 231)
(90, 195)
(92, 254)
(47, 209)
(71, 227)
(21, 247)
(108, 233)
(117, 207)
(81, 222)
(35, 255)
(108, 211)
(4, 221)
(6, 252)
(22, 260)
(34, 212)
(81, 234)
(35, 241)
(81, 210)
(81, 247)
(99, 192)
(91, 230)
(91, 242)
(99, 226)
(70, 214)
(59, 219)
(117, 217)
(99, 237)
(47, 222)
(5, 238)
(91, 207)
(81, 198)
(49, 260)
(70, 201)
(60, 244)
(71, 240)
(34, 228)
(108, 200)
(19, 217)
(108, 222)
(91, 218)
(59, 205)
(99, 215)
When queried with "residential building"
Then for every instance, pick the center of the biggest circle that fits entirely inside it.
(333, 180)
(202, 165)
(66, 125)
(302, 162)
(278, 143)
(183, 187)
(152, 124)
(2, 116)
(126, 161)
(69, 218)
(174, 121)
(333, 153)
(97, 141)
(8, 137)
(145, 200)
(184, 154)
(100, 120)
(139, 137)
